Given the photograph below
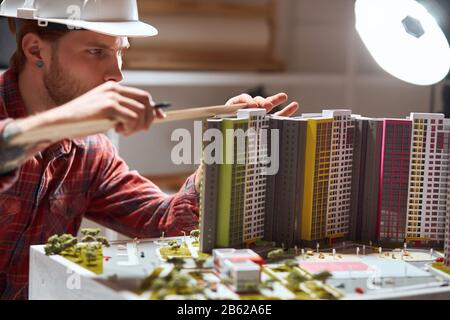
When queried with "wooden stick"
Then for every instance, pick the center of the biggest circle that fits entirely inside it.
(59, 132)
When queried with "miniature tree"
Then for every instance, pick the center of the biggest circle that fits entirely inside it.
(52, 249)
(92, 235)
(267, 284)
(199, 262)
(57, 244)
(67, 241)
(88, 238)
(53, 246)
(275, 254)
(103, 240)
(295, 278)
(94, 232)
(158, 284)
(175, 245)
(251, 287)
(195, 234)
(226, 280)
(179, 281)
(291, 263)
(323, 276)
(91, 255)
(178, 263)
(77, 253)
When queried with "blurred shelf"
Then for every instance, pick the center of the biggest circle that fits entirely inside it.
(233, 79)
(178, 78)
(236, 79)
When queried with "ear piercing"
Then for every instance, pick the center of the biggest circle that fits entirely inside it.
(40, 64)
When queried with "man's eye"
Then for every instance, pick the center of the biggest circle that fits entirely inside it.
(96, 52)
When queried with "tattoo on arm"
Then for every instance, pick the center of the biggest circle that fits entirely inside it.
(10, 156)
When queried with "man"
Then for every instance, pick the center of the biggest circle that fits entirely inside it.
(59, 75)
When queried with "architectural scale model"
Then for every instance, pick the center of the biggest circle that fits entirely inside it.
(340, 176)
(358, 208)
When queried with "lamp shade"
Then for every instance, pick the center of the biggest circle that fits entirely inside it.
(404, 39)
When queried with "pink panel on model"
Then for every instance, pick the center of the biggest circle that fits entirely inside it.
(334, 266)
(396, 163)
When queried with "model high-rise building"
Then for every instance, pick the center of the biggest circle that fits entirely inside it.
(233, 191)
(209, 191)
(365, 178)
(316, 179)
(255, 177)
(285, 189)
(340, 177)
(394, 176)
(428, 178)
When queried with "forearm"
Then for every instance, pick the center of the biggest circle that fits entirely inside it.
(137, 208)
(13, 155)
(10, 156)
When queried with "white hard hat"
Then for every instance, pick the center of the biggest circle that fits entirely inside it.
(111, 17)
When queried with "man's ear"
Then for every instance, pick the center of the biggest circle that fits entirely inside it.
(35, 49)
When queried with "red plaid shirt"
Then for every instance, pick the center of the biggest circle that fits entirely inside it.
(52, 192)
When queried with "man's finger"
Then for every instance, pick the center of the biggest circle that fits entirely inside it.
(264, 103)
(244, 98)
(289, 110)
(278, 99)
(136, 94)
(137, 107)
(160, 114)
(127, 117)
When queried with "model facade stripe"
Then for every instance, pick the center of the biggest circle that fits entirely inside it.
(230, 222)
(255, 176)
(447, 221)
(209, 194)
(394, 176)
(365, 178)
(340, 178)
(316, 181)
(429, 166)
(447, 236)
(285, 189)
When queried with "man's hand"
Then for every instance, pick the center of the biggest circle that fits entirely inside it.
(256, 102)
(267, 103)
(131, 108)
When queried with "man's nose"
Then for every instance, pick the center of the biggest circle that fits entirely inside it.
(114, 73)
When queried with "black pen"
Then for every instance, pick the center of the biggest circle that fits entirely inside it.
(162, 105)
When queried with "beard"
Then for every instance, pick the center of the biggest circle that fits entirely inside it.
(61, 86)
